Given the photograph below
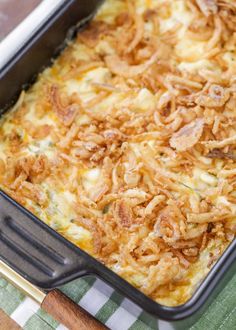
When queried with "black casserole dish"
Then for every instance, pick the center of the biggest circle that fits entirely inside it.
(52, 260)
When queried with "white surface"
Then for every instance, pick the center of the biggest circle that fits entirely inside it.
(94, 299)
(24, 311)
(121, 319)
(61, 327)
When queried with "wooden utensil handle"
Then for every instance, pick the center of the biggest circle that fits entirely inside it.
(7, 323)
(69, 313)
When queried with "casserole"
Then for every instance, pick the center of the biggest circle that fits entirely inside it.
(174, 143)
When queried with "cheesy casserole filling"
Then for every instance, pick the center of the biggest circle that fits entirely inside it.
(127, 144)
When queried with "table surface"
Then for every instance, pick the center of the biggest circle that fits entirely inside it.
(12, 12)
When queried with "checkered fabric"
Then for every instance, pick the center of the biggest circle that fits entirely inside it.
(110, 308)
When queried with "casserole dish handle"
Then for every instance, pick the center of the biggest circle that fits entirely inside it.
(31, 249)
(34, 250)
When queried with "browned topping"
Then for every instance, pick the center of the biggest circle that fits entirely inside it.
(123, 213)
(33, 192)
(93, 227)
(121, 68)
(2, 167)
(216, 97)
(208, 7)
(221, 144)
(187, 136)
(91, 35)
(217, 153)
(66, 113)
(215, 215)
(190, 252)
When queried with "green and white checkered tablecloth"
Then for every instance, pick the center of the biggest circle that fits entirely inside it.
(110, 308)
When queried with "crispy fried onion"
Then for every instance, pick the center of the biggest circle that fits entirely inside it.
(66, 113)
(216, 97)
(122, 68)
(93, 33)
(187, 136)
(208, 7)
(170, 225)
(123, 213)
(69, 137)
(217, 153)
(167, 268)
(33, 192)
(214, 216)
(90, 224)
(99, 191)
(139, 24)
(228, 13)
(153, 203)
(31, 169)
(220, 144)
